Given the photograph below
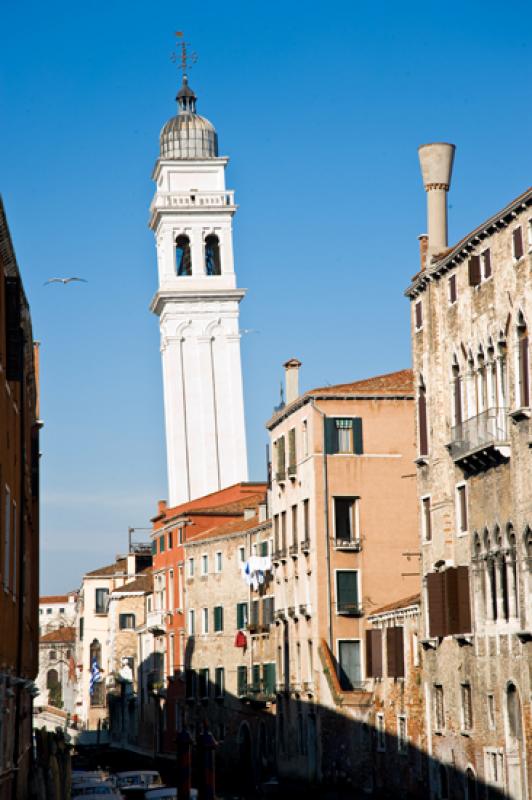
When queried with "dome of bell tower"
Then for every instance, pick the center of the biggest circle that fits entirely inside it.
(187, 135)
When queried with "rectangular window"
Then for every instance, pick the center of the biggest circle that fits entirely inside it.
(170, 540)
(467, 707)
(524, 387)
(190, 567)
(439, 711)
(343, 435)
(102, 601)
(205, 564)
(170, 589)
(452, 289)
(347, 596)
(218, 619)
(422, 421)
(395, 652)
(126, 621)
(426, 519)
(241, 680)
(283, 530)
(161, 543)
(263, 549)
(486, 264)
(517, 243)
(191, 622)
(345, 521)
(281, 459)
(254, 613)
(241, 555)
(241, 615)
(154, 547)
(218, 562)
(219, 682)
(267, 610)
(529, 227)
(81, 626)
(418, 311)
(448, 602)
(381, 734)
(402, 736)
(190, 683)
(304, 438)
(374, 653)
(349, 667)
(203, 683)
(268, 679)
(306, 520)
(461, 508)
(255, 678)
(205, 620)
(292, 456)
(171, 654)
(474, 271)
(294, 525)
(490, 707)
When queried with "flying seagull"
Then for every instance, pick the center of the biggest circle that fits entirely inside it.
(64, 281)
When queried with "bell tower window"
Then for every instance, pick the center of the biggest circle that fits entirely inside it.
(212, 255)
(183, 261)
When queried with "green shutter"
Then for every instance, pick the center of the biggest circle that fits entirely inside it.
(268, 678)
(357, 436)
(331, 435)
(154, 547)
(347, 591)
(218, 618)
(242, 680)
(255, 677)
(161, 544)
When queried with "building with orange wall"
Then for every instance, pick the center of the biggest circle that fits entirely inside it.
(19, 523)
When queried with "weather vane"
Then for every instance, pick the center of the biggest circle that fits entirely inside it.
(184, 59)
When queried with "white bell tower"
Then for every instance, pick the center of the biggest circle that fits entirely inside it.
(197, 303)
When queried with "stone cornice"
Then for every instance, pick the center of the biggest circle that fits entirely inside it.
(461, 251)
(164, 296)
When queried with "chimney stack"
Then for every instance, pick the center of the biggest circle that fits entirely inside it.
(291, 378)
(436, 162)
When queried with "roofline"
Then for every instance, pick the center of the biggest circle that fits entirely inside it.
(461, 250)
(392, 611)
(312, 395)
(233, 534)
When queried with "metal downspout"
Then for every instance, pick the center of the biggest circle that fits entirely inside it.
(326, 522)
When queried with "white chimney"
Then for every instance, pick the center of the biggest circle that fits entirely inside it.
(436, 162)
(291, 378)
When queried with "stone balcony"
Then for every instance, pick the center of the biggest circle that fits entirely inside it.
(482, 441)
(155, 622)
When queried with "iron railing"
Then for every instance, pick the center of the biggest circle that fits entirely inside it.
(489, 427)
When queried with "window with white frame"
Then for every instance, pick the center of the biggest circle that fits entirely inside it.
(170, 590)
(180, 587)
(218, 561)
(346, 514)
(494, 766)
(349, 664)
(517, 243)
(241, 555)
(191, 622)
(529, 234)
(439, 711)
(304, 438)
(402, 734)
(490, 709)
(205, 564)
(381, 733)
(426, 522)
(461, 508)
(190, 567)
(523, 382)
(205, 620)
(467, 707)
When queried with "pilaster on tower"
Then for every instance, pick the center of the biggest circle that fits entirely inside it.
(197, 302)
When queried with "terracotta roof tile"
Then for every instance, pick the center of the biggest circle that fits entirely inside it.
(143, 583)
(59, 635)
(235, 526)
(215, 500)
(405, 602)
(119, 567)
(401, 382)
(54, 598)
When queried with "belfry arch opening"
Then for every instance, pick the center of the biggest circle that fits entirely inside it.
(183, 260)
(213, 264)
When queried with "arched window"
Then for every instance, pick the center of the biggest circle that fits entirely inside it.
(183, 261)
(471, 784)
(52, 679)
(513, 710)
(457, 396)
(212, 255)
(422, 418)
(522, 355)
(482, 384)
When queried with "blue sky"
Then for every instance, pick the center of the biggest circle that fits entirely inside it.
(321, 107)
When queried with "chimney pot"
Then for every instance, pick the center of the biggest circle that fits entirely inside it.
(436, 161)
(423, 247)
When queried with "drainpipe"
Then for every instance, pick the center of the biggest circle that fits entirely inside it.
(326, 523)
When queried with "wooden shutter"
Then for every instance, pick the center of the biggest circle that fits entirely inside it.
(464, 605)
(487, 263)
(419, 314)
(268, 678)
(451, 600)
(357, 436)
(436, 598)
(452, 288)
(374, 653)
(523, 369)
(422, 421)
(331, 435)
(458, 400)
(395, 659)
(474, 270)
(13, 329)
(518, 243)
(292, 449)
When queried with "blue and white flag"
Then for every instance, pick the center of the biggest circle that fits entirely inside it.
(96, 676)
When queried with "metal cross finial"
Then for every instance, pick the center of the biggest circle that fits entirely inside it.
(184, 60)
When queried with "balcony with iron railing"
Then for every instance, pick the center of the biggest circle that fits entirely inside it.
(155, 621)
(481, 441)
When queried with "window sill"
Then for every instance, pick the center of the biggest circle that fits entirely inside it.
(430, 643)
(463, 638)
(421, 461)
(467, 733)
(439, 732)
